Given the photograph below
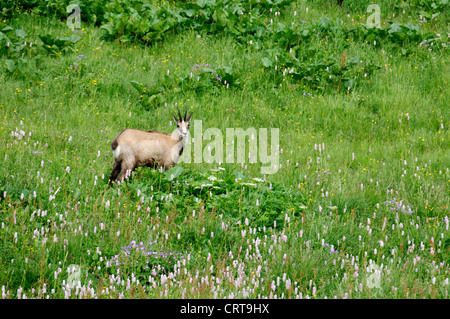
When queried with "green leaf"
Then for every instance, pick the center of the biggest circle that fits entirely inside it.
(324, 22)
(239, 175)
(267, 62)
(20, 33)
(11, 65)
(353, 60)
(349, 84)
(411, 26)
(202, 3)
(395, 27)
(222, 16)
(124, 39)
(138, 86)
(47, 39)
(173, 173)
(74, 38)
(109, 28)
(156, 90)
(188, 12)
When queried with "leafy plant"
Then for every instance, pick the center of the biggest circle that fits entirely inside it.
(55, 45)
(200, 79)
(144, 22)
(226, 191)
(431, 9)
(16, 49)
(149, 97)
(203, 77)
(92, 10)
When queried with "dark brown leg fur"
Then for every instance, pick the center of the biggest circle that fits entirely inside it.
(116, 170)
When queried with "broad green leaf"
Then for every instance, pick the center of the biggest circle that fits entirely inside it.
(324, 22)
(138, 86)
(74, 38)
(239, 175)
(267, 62)
(202, 3)
(47, 39)
(188, 12)
(20, 33)
(109, 28)
(221, 16)
(10, 65)
(353, 60)
(411, 26)
(173, 173)
(395, 27)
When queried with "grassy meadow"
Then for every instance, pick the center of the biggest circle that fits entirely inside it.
(359, 206)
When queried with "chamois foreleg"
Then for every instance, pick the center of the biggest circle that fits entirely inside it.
(116, 170)
(126, 169)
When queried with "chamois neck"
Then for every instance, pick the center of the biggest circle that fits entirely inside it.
(177, 136)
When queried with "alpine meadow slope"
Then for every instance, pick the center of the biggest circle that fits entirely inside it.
(358, 206)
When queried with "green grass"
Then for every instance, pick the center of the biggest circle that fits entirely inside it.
(385, 138)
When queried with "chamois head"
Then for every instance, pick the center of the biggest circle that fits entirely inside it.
(182, 123)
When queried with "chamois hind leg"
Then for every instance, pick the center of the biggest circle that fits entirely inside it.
(115, 171)
(126, 170)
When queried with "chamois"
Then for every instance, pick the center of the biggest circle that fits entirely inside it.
(133, 148)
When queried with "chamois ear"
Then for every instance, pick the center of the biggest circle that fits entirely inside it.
(175, 118)
(189, 117)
